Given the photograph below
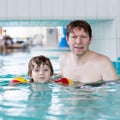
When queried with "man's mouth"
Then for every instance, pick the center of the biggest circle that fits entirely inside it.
(79, 48)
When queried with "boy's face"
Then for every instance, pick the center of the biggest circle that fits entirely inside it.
(41, 73)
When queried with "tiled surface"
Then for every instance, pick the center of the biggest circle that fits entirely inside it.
(117, 66)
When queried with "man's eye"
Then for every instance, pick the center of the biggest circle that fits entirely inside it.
(45, 69)
(83, 36)
(74, 36)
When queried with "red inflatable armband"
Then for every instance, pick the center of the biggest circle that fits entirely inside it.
(64, 81)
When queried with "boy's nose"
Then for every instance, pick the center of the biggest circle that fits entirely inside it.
(41, 72)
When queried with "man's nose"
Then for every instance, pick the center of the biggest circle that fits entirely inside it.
(79, 40)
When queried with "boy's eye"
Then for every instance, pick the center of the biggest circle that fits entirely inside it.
(36, 70)
(44, 70)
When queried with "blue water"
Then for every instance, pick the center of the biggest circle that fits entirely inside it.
(53, 101)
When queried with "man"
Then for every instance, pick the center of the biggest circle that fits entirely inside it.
(81, 64)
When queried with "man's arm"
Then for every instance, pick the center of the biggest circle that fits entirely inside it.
(108, 71)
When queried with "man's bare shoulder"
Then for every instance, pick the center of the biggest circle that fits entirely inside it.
(101, 58)
(63, 58)
(64, 55)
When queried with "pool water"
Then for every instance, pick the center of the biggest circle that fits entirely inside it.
(53, 101)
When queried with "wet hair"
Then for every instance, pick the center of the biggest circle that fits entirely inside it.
(80, 24)
(39, 60)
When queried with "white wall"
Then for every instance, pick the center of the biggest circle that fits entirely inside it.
(59, 9)
(105, 15)
(104, 38)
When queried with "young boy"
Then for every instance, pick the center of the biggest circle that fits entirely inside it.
(40, 69)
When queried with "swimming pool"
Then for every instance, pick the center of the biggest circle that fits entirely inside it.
(52, 101)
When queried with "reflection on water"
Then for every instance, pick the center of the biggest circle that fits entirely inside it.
(51, 101)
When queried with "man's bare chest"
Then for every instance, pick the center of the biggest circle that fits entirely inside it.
(83, 74)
